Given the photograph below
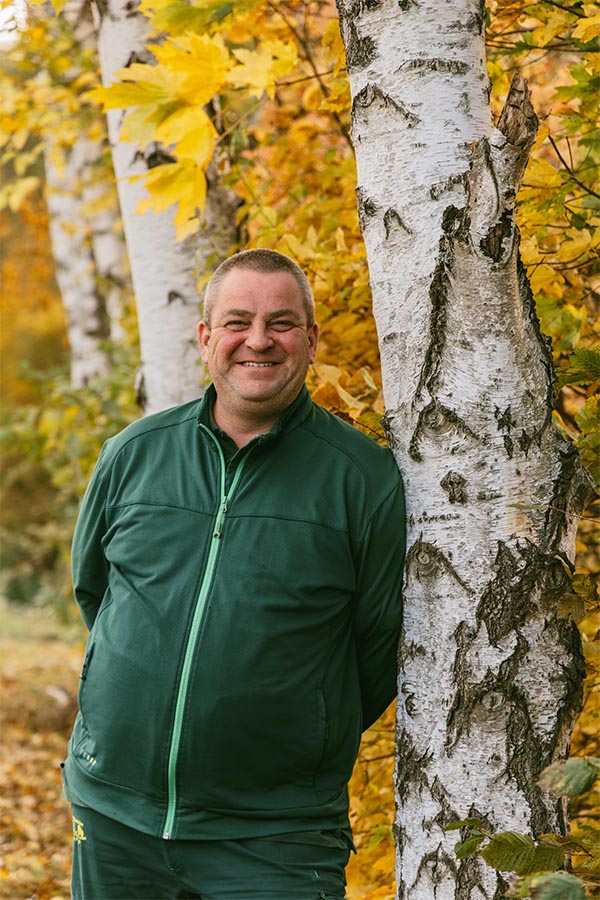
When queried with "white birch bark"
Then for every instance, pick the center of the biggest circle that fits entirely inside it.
(163, 271)
(88, 252)
(75, 269)
(490, 679)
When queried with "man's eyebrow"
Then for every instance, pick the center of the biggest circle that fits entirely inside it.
(273, 315)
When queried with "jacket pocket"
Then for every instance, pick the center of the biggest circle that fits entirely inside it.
(86, 662)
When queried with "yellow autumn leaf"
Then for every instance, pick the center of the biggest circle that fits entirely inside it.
(285, 56)
(201, 63)
(542, 134)
(557, 22)
(545, 278)
(332, 40)
(259, 69)
(587, 29)
(138, 126)
(530, 251)
(541, 174)
(181, 184)
(191, 132)
(141, 85)
(574, 245)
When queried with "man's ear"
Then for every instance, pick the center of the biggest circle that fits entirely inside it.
(313, 342)
(203, 339)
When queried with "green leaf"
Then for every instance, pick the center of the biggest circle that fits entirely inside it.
(469, 846)
(507, 850)
(558, 886)
(588, 418)
(583, 368)
(570, 776)
(513, 852)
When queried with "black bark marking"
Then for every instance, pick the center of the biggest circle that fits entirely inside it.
(438, 420)
(139, 56)
(499, 239)
(172, 296)
(474, 24)
(405, 5)
(392, 222)
(410, 766)
(444, 66)
(455, 223)
(372, 93)
(425, 561)
(505, 601)
(447, 184)
(468, 878)
(439, 864)
(524, 442)
(506, 422)
(387, 421)
(454, 485)
(360, 51)
(141, 395)
(572, 490)
(156, 156)
(446, 812)
(367, 208)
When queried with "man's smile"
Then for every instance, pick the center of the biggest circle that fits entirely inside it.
(258, 365)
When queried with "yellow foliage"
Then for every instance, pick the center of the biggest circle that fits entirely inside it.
(589, 28)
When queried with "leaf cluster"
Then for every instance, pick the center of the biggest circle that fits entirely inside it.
(540, 863)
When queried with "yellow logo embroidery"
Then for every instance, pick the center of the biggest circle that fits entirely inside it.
(78, 832)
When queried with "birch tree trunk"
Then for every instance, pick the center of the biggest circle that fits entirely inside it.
(75, 269)
(89, 254)
(163, 271)
(490, 678)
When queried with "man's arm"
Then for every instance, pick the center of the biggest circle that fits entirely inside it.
(378, 605)
(88, 563)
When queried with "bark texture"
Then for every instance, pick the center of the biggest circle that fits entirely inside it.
(163, 271)
(85, 310)
(88, 251)
(490, 678)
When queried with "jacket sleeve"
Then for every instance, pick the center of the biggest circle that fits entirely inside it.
(89, 567)
(378, 604)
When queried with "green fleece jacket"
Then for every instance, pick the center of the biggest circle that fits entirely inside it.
(244, 618)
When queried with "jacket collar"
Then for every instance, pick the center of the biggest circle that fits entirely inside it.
(291, 417)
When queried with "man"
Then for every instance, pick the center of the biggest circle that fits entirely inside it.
(238, 562)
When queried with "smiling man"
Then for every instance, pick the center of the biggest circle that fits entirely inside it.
(238, 561)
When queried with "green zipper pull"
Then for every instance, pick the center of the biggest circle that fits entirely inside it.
(220, 517)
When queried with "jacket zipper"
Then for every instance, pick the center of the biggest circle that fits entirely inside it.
(193, 635)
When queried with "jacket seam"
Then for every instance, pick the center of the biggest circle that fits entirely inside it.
(395, 488)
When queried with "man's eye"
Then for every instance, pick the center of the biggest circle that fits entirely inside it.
(281, 325)
(236, 324)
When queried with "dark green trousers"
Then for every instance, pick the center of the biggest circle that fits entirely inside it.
(114, 862)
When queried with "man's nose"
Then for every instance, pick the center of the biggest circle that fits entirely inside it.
(258, 337)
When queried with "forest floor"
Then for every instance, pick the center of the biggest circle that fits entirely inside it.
(40, 660)
(39, 668)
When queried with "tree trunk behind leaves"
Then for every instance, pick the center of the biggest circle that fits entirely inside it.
(490, 678)
(85, 310)
(88, 252)
(163, 271)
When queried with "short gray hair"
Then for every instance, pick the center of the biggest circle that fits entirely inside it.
(259, 260)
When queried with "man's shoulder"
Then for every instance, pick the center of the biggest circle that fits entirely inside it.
(154, 426)
(347, 440)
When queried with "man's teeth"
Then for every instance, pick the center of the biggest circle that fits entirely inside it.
(258, 365)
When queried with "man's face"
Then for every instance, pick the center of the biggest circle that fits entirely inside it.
(258, 347)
